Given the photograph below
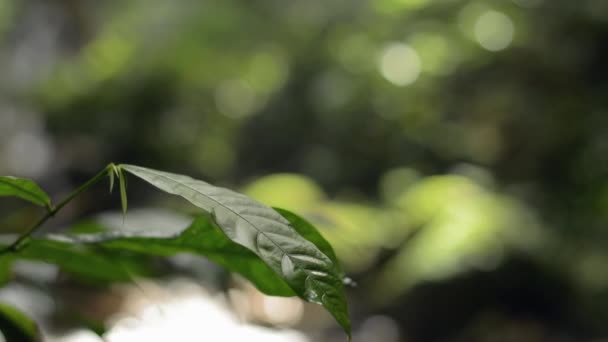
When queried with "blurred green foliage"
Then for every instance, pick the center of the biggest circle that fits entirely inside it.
(430, 140)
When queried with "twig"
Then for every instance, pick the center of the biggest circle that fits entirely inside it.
(18, 244)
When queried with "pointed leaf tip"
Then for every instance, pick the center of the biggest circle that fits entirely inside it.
(111, 175)
(311, 233)
(123, 191)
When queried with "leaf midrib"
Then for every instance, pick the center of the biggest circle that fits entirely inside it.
(229, 209)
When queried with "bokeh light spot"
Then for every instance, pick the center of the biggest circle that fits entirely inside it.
(494, 30)
(400, 64)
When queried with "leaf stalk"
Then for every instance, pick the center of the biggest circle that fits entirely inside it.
(23, 238)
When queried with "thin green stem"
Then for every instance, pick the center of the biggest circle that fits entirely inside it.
(18, 244)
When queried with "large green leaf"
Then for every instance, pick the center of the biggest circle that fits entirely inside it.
(305, 268)
(25, 189)
(16, 326)
(202, 237)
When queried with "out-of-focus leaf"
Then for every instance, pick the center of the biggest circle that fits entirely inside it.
(83, 261)
(463, 226)
(308, 271)
(201, 237)
(16, 326)
(290, 191)
(89, 226)
(25, 189)
(6, 262)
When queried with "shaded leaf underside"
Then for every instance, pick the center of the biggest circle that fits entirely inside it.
(202, 237)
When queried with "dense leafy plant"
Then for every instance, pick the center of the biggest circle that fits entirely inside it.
(278, 251)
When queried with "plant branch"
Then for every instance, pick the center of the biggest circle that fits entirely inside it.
(15, 246)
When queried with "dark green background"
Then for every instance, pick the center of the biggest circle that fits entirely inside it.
(470, 205)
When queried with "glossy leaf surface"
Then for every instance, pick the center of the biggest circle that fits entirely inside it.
(310, 233)
(300, 263)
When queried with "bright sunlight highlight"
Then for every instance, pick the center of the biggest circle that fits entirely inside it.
(494, 30)
(400, 64)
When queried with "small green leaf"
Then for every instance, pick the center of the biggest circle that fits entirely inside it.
(111, 175)
(16, 326)
(25, 189)
(113, 172)
(312, 275)
(123, 191)
(84, 262)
